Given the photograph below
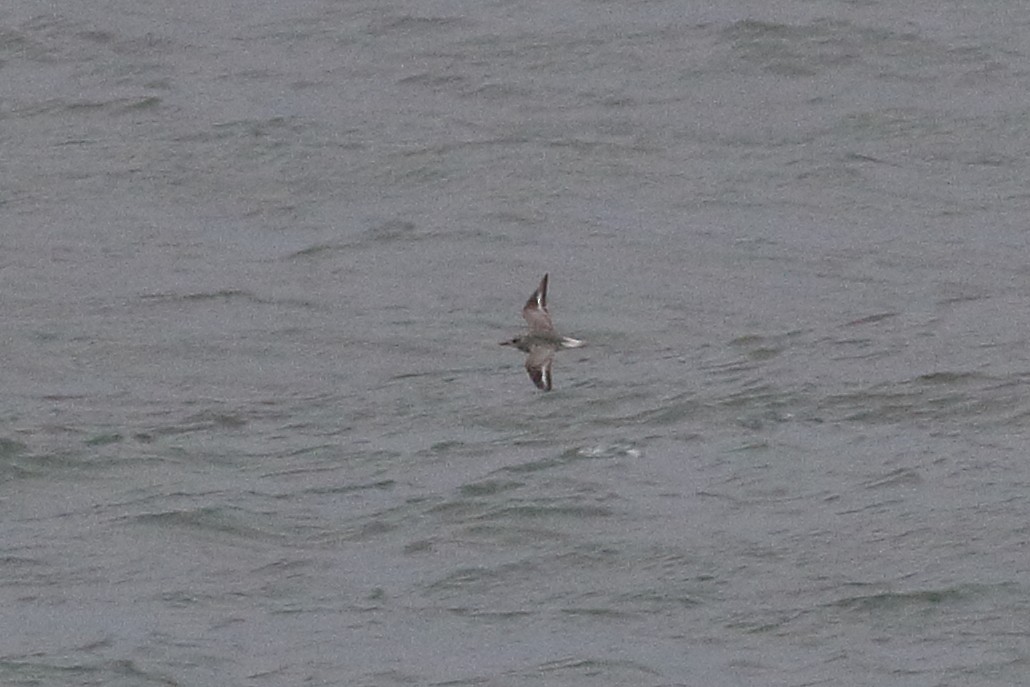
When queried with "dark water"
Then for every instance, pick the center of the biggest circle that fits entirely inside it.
(255, 259)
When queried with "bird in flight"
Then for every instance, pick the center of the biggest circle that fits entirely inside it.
(541, 341)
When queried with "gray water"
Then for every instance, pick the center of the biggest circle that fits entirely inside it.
(256, 258)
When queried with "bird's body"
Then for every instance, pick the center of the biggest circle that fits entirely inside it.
(541, 342)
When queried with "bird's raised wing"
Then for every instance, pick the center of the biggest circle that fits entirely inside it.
(535, 310)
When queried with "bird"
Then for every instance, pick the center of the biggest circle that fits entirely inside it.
(541, 341)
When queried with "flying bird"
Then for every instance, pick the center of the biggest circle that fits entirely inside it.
(541, 341)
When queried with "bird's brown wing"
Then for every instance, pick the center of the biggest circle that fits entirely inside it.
(535, 310)
(538, 365)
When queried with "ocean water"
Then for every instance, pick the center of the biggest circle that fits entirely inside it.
(256, 259)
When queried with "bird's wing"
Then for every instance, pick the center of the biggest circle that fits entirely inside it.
(538, 365)
(535, 310)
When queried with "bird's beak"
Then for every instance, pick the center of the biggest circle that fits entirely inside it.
(506, 343)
